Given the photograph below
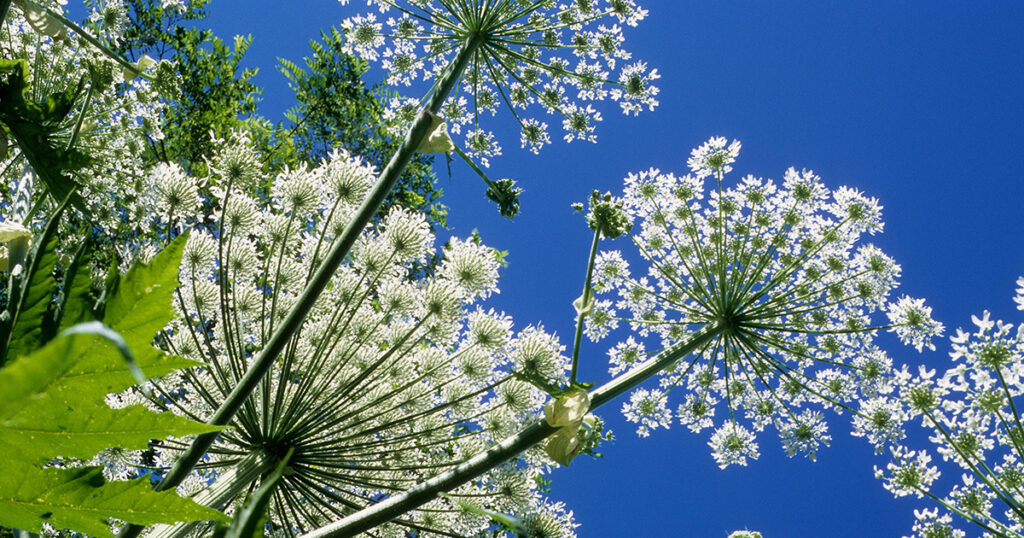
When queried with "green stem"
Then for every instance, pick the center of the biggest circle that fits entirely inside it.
(453, 72)
(458, 151)
(582, 314)
(81, 118)
(498, 454)
(297, 315)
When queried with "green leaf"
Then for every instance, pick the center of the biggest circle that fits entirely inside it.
(141, 306)
(54, 405)
(81, 499)
(27, 332)
(75, 305)
(64, 412)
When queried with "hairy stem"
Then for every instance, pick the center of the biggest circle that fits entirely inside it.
(582, 312)
(4, 6)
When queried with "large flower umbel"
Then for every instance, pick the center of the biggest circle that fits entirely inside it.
(774, 282)
(390, 380)
(559, 57)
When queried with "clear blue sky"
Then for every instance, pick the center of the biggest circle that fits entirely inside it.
(916, 103)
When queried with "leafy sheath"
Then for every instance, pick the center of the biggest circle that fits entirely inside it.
(54, 406)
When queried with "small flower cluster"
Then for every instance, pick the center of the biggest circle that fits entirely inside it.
(773, 281)
(973, 414)
(390, 379)
(518, 62)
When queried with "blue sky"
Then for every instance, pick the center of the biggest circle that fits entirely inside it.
(916, 103)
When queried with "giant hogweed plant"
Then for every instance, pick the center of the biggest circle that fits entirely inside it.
(755, 301)
(389, 379)
(477, 34)
(768, 317)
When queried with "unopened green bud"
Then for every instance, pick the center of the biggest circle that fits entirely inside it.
(607, 216)
(505, 193)
(101, 73)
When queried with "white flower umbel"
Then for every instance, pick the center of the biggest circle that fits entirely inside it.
(558, 57)
(973, 414)
(775, 276)
(388, 381)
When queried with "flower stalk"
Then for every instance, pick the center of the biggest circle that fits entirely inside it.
(585, 306)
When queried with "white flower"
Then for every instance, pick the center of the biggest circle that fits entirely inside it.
(296, 191)
(388, 376)
(713, 156)
(804, 433)
(173, 193)
(880, 420)
(929, 523)
(732, 444)
(472, 267)
(648, 409)
(912, 322)
(910, 474)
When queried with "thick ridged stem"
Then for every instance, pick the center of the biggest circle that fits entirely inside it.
(581, 310)
(533, 434)
(418, 131)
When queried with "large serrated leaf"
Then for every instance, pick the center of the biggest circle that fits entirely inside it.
(81, 499)
(76, 294)
(54, 405)
(142, 304)
(67, 415)
(29, 307)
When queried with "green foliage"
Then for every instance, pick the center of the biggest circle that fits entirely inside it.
(75, 302)
(82, 500)
(32, 311)
(34, 126)
(55, 406)
(337, 110)
(215, 95)
(152, 27)
(213, 98)
(29, 320)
